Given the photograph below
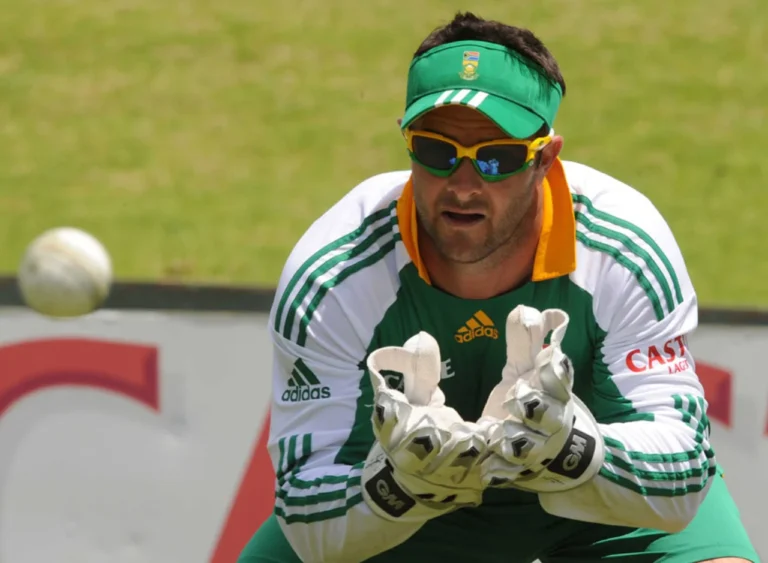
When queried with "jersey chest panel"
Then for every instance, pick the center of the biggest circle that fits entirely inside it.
(472, 334)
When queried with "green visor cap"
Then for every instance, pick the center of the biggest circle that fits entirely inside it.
(487, 77)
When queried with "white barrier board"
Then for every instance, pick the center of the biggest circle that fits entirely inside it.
(130, 437)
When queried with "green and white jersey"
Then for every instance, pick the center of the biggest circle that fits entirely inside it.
(355, 282)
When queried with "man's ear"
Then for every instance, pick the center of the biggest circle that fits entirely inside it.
(399, 121)
(548, 155)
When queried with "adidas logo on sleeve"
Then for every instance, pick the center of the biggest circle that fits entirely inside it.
(304, 385)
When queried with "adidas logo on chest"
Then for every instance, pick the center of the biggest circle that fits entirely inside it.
(479, 325)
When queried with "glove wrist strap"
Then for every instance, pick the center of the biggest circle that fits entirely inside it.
(403, 498)
(577, 463)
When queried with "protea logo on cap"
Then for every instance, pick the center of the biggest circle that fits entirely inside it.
(469, 64)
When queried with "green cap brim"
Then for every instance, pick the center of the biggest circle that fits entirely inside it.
(515, 120)
(496, 81)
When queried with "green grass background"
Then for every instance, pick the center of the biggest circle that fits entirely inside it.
(199, 138)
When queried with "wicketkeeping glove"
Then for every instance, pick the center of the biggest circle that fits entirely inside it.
(426, 459)
(544, 439)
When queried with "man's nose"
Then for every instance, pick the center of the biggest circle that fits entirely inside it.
(465, 182)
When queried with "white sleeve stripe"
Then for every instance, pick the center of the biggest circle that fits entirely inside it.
(386, 244)
(312, 495)
(669, 479)
(305, 489)
(677, 489)
(345, 258)
(693, 416)
(636, 232)
(626, 247)
(287, 461)
(337, 510)
(629, 265)
(665, 474)
(684, 469)
(320, 505)
(320, 492)
(298, 279)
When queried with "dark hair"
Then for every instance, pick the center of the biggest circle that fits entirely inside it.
(468, 26)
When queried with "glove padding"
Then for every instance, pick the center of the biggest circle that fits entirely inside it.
(426, 459)
(543, 437)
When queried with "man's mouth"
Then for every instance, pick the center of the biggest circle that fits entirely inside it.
(462, 218)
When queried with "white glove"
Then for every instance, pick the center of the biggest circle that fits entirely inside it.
(543, 437)
(426, 459)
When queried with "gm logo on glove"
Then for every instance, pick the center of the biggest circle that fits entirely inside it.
(387, 494)
(574, 458)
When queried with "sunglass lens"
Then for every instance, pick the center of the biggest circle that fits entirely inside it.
(434, 153)
(501, 159)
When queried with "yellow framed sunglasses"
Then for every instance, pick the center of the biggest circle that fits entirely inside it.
(493, 160)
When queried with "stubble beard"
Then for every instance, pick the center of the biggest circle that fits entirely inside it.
(498, 242)
(495, 245)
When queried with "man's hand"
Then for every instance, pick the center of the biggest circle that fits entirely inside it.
(426, 459)
(543, 437)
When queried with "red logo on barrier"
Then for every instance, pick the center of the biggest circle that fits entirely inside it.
(131, 370)
(127, 369)
(718, 384)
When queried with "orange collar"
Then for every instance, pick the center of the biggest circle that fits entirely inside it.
(556, 252)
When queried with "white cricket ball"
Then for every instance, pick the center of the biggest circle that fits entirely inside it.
(65, 272)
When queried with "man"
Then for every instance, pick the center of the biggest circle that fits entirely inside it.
(485, 358)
